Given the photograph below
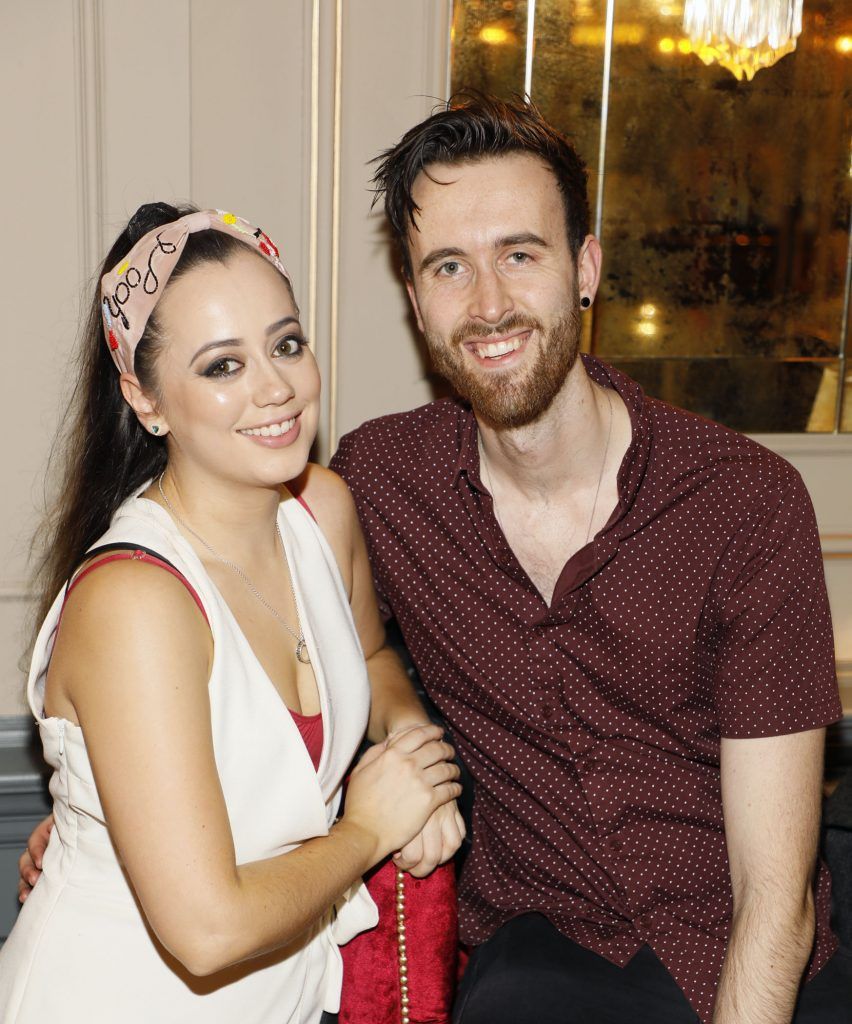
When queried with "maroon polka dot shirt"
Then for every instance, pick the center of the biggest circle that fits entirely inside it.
(592, 727)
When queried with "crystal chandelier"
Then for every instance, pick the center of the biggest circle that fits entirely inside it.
(743, 35)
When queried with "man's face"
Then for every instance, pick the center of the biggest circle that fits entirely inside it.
(494, 284)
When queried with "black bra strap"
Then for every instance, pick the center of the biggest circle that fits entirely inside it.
(120, 546)
(124, 546)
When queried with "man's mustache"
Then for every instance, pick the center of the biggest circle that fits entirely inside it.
(513, 322)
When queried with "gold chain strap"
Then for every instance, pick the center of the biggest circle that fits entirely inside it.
(400, 943)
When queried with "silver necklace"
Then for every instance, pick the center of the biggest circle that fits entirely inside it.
(484, 463)
(302, 654)
(603, 466)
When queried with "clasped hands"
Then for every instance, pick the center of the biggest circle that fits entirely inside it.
(440, 837)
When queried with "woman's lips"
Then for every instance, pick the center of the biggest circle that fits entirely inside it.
(274, 435)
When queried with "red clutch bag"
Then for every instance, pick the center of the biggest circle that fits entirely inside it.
(403, 971)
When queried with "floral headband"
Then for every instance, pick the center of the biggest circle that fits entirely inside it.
(130, 291)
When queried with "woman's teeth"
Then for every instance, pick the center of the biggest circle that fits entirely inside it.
(273, 430)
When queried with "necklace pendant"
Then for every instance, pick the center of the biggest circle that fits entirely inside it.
(302, 654)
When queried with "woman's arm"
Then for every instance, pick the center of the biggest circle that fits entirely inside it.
(133, 659)
(394, 706)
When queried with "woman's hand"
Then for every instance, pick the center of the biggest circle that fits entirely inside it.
(399, 785)
(29, 863)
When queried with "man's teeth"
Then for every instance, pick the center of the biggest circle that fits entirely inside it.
(273, 430)
(498, 348)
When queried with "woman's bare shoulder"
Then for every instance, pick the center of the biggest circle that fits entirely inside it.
(328, 498)
(317, 483)
(129, 597)
(124, 622)
(330, 503)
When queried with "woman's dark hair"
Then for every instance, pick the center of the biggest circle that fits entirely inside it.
(474, 126)
(107, 454)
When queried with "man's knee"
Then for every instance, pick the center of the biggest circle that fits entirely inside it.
(827, 999)
(521, 974)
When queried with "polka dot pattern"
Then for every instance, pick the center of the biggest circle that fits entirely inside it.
(592, 727)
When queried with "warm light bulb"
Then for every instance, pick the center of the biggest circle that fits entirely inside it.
(844, 44)
(666, 45)
(494, 35)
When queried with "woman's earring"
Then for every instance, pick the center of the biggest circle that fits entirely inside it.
(585, 302)
(155, 428)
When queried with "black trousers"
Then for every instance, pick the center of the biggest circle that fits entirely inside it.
(529, 973)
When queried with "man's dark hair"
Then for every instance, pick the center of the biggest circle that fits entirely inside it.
(474, 126)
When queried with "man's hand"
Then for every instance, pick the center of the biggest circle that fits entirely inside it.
(442, 835)
(29, 863)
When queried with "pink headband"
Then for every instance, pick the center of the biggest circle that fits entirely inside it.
(130, 291)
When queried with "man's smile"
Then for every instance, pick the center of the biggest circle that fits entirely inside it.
(497, 349)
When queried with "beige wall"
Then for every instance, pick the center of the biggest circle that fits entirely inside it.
(269, 108)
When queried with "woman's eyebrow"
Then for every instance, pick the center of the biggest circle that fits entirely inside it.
(223, 343)
(236, 342)
(272, 328)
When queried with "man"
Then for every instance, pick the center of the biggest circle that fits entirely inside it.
(619, 608)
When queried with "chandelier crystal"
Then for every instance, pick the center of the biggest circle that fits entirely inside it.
(743, 35)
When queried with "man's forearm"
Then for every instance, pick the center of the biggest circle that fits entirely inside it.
(769, 948)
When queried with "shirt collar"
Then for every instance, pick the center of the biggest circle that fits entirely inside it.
(467, 464)
(635, 459)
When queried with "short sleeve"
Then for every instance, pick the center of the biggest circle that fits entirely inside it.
(346, 463)
(775, 671)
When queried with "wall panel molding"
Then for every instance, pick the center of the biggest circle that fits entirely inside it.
(88, 59)
(792, 446)
(312, 85)
(836, 545)
(334, 282)
(326, 121)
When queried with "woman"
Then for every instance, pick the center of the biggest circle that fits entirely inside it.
(195, 871)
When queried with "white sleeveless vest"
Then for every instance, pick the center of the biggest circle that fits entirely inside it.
(81, 948)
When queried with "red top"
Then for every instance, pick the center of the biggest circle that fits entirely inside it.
(309, 726)
(592, 726)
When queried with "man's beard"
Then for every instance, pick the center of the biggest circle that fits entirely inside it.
(509, 399)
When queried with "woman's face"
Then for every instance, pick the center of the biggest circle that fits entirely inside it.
(238, 389)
